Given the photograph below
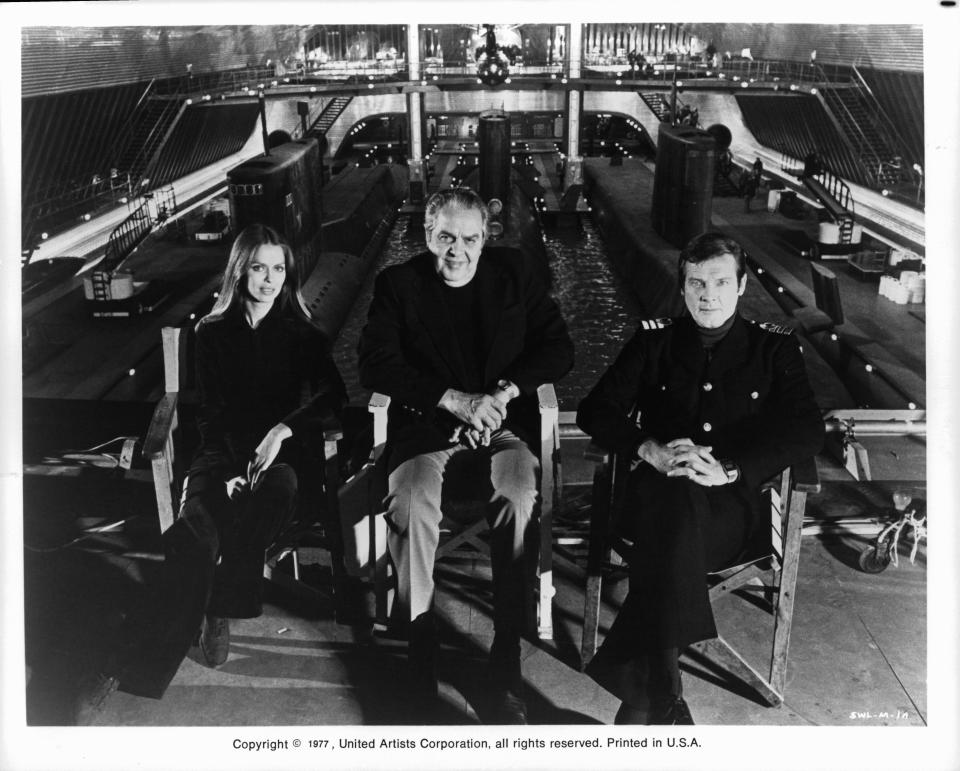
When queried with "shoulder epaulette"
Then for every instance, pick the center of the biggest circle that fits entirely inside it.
(649, 324)
(775, 328)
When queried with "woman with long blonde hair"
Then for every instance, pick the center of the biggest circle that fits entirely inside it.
(257, 355)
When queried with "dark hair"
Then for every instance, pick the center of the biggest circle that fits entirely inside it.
(705, 247)
(458, 197)
(233, 287)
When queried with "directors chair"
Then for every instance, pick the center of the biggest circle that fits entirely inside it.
(368, 536)
(169, 445)
(775, 571)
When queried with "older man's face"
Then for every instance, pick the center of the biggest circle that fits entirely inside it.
(711, 290)
(456, 242)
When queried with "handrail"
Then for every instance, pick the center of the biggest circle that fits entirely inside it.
(126, 235)
(862, 146)
(884, 122)
(837, 188)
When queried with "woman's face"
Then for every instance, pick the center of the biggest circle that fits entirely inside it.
(265, 274)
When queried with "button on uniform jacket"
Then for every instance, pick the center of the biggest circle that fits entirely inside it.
(751, 400)
(409, 351)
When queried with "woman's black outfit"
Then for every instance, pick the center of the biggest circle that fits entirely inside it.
(249, 380)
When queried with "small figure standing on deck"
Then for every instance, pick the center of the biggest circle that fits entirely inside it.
(708, 406)
(258, 354)
(751, 183)
(460, 337)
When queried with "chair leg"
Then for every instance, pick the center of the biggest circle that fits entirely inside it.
(545, 589)
(786, 594)
(591, 619)
(721, 652)
(597, 553)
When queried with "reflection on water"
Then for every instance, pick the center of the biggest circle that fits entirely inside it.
(600, 312)
(399, 247)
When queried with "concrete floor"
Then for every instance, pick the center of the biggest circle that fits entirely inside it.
(857, 657)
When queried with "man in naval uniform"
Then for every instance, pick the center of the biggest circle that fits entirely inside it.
(708, 406)
(460, 337)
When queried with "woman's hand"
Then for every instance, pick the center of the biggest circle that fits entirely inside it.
(266, 453)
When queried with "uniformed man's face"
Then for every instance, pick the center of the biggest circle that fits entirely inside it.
(456, 242)
(711, 290)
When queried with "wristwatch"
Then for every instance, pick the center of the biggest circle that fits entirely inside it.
(510, 390)
(731, 469)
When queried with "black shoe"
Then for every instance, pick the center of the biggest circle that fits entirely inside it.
(92, 694)
(215, 640)
(674, 712)
(628, 715)
(507, 708)
(422, 653)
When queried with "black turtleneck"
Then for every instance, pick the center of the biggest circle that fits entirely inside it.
(710, 337)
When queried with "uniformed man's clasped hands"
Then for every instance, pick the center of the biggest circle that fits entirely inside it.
(683, 458)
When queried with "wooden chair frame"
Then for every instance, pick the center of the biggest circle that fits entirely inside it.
(159, 447)
(549, 455)
(776, 571)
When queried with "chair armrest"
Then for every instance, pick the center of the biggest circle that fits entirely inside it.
(162, 424)
(378, 402)
(547, 397)
(332, 429)
(378, 406)
(806, 478)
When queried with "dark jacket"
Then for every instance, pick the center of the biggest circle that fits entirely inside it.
(751, 402)
(409, 352)
(248, 380)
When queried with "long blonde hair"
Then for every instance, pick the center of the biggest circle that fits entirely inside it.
(233, 287)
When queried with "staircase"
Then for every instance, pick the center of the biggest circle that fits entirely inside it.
(328, 116)
(658, 103)
(151, 126)
(836, 198)
(859, 118)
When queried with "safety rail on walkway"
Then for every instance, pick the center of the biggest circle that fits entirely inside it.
(154, 208)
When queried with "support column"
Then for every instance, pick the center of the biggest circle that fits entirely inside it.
(417, 179)
(573, 175)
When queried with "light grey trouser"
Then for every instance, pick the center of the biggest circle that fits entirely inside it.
(413, 517)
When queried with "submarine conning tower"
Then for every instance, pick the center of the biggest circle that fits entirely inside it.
(493, 139)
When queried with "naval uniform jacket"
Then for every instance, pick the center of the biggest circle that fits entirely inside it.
(750, 400)
(249, 380)
(409, 351)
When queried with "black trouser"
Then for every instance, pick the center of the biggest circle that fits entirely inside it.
(246, 526)
(681, 531)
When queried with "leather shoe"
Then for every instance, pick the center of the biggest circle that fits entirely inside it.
(507, 708)
(674, 712)
(215, 640)
(92, 694)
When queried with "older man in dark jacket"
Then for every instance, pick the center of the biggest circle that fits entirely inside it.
(460, 337)
(708, 406)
